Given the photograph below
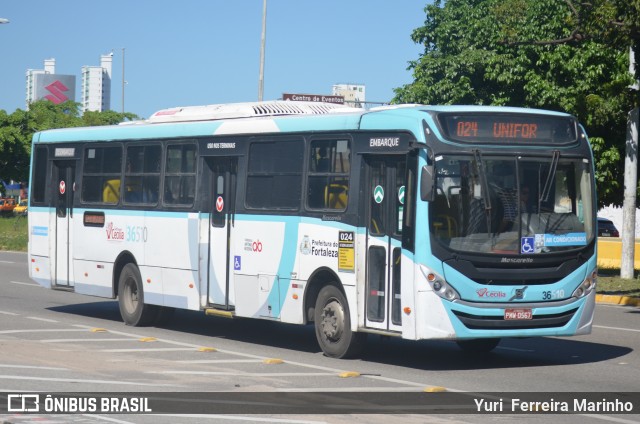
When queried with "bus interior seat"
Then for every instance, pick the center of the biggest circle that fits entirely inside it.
(132, 197)
(111, 191)
(336, 196)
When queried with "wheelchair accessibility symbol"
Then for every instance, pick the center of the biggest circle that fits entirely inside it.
(527, 245)
(237, 263)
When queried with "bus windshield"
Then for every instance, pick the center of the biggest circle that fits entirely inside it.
(512, 205)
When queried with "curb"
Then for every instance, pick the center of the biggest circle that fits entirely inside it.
(617, 300)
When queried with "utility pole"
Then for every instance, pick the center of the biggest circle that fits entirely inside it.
(262, 45)
(629, 202)
(630, 183)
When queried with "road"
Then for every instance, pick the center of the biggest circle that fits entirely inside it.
(54, 341)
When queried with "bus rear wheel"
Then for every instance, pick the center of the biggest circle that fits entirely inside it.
(478, 345)
(333, 325)
(133, 310)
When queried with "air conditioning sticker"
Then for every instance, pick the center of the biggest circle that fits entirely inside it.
(537, 243)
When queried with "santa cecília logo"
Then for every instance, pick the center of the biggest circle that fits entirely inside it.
(493, 294)
(114, 233)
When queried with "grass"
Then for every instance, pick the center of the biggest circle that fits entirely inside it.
(609, 282)
(13, 233)
(13, 237)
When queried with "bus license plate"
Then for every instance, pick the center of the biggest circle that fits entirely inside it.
(518, 314)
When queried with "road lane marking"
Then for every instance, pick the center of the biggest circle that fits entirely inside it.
(364, 375)
(382, 389)
(610, 418)
(240, 418)
(33, 367)
(246, 374)
(85, 340)
(80, 380)
(9, 313)
(150, 349)
(111, 420)
(617, 328)
(42, 319)
(47, 330)
(25, 284)
(189, 346)
(7, 262)
(220, 361)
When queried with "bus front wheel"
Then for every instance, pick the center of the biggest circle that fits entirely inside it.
(133, 310)
(333, 325)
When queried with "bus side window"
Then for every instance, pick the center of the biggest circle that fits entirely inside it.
(328, 179)
(142, 174)
(101, 169)
(39, 180)
(180, 175)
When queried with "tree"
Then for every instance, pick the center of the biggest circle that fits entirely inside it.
(14, 146)
(17, 129)
(532, 53)
(108, 117)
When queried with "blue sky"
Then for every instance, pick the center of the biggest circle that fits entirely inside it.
(196, 52)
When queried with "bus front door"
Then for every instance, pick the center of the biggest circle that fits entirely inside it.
(221, 264)
(385, 203)
(64, 173)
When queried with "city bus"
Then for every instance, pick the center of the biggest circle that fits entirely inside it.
(462, 223)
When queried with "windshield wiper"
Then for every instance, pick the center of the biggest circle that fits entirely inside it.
(544, 195)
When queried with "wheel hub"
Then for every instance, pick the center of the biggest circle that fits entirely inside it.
(131, 295)
(333, 321)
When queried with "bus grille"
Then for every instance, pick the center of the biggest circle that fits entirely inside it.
(479, 322)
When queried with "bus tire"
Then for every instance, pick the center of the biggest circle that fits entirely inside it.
(333, 325)
(133, 310)
(478, 345)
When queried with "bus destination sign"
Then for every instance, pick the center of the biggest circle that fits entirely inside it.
(497, 128)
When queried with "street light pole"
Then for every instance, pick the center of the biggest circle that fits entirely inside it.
(262, 45)
(123, 80)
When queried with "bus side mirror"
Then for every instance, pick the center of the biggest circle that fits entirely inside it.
(427, 183)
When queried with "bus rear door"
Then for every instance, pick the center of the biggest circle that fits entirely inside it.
(384, 202)
(221, 264)
(64, 174)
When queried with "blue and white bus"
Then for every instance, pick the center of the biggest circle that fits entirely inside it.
(462, 223)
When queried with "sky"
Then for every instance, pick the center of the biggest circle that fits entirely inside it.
(198, 52)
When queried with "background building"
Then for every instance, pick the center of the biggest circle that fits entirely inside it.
(96, 85)
(46, 84)
(354, 94)
(49, 68)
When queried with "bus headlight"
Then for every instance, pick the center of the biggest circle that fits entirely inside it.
(439, 285)
(587, 286)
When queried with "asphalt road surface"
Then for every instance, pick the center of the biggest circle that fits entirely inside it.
(55, 341)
